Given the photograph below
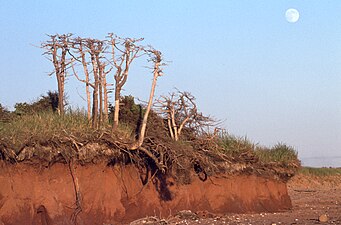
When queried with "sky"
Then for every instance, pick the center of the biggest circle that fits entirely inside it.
(267, 79)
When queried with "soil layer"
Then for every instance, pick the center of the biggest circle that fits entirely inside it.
(316, 200)
(121, 194)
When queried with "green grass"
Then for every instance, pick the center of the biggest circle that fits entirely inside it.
(311, 171)
(235, 145)
(279, 153)
(47, 126)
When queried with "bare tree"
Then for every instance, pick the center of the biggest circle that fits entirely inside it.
(91, 45)
(180, 110)
(90, 53)
(157, 71)
(122, 59)
(104, 87)
(100, 71)
(78, 45)
(56, 50)
(94, 49)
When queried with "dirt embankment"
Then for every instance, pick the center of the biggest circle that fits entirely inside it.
(117, 195)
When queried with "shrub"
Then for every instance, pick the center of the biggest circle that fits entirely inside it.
(44, 104)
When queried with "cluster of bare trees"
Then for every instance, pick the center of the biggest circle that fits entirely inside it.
(92, 61)
(98, 60)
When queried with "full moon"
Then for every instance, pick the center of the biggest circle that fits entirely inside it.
(292, 15)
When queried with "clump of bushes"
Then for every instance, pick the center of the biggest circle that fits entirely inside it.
(46, 103)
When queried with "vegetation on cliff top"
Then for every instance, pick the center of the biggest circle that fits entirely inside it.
(169, 135)
(40, 133)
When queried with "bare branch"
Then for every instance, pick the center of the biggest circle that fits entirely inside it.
(180, 111)
(123, 52)
(56, 49)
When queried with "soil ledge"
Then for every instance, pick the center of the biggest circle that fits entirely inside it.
(120, 194)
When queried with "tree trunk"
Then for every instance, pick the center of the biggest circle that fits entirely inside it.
(88, 98)
(60, 82)
(86, 73)
(100, 69)
(105, 96)
(142, 132)
(117, 107)
(100, 93)
(170, 128)
(182, 125)
(95, 94)
(175, 128)
(95, 108)
(62, 76)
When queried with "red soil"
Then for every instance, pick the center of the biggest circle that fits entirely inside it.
(116, 195)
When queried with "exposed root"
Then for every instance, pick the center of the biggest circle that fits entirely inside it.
(78, 202)
(203, 155)
(145, 184)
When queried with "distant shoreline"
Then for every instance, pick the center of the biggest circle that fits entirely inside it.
(321, 161)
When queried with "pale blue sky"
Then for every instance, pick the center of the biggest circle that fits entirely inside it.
(268, 79)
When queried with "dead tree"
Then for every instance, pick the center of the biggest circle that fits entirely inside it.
(90, 53)
(78, 46)
(121, 59)
(180, 111)
(104, 87)
(157, 72)
(56, 50)
(91, 45)
(98, 75)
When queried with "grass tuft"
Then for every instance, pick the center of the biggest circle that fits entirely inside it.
(279, 153)
(234, 145)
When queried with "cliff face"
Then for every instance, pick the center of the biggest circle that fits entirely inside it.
(117, 195)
